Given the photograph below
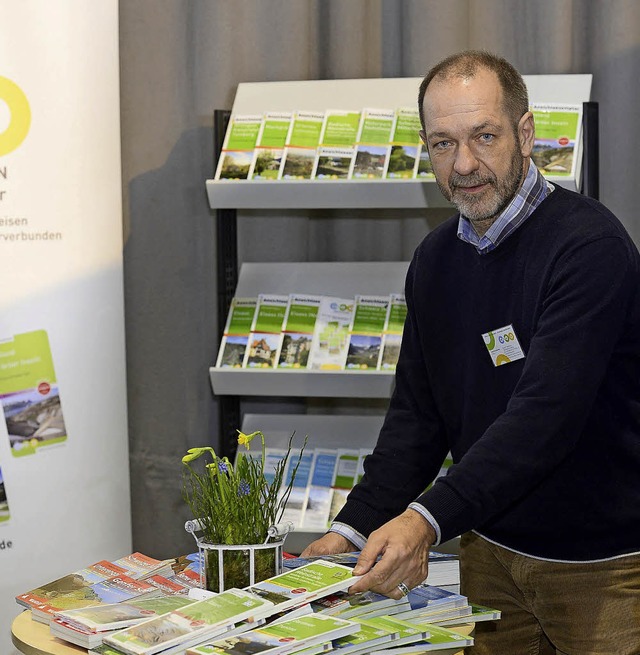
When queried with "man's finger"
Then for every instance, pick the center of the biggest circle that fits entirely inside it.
(368, 557)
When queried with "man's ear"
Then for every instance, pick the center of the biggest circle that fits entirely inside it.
(423, 137)
(526, 134)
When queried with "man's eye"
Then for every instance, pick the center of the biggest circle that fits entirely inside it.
(486, 138)
(441, 145)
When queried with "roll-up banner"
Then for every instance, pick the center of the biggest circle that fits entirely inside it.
(64, 472)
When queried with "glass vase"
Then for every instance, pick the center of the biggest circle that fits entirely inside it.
(225, 566)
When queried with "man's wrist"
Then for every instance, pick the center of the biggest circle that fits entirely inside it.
(434, 529)
(352, 536)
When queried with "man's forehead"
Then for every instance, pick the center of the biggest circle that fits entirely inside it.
(458, 95)
(484, 82)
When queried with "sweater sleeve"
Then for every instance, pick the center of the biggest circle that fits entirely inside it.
(583, 316)
(411, 446)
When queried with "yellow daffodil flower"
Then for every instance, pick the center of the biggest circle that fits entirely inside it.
(245, 439)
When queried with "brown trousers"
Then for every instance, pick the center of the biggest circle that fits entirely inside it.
(551, 608)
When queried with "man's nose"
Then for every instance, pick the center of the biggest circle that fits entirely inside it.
(465, 162)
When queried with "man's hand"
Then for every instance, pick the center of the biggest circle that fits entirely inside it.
(329, 544)
(404, 544)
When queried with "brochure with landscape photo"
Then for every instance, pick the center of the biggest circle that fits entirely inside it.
(403, 159)
(198, 620)
(112, 590)
(298, 327)
(301, 585)
(99, 619)
(29, 394)
(333, 163)
(556, 149)
(299, 157)
(373, 144)
(337, 145)
(236, 333)
(365, 333)
(266, 331)
(236, 156)
(272, 139)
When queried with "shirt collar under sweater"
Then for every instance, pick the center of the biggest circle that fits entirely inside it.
(533, 191)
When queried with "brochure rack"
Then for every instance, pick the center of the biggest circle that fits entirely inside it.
(229, 198)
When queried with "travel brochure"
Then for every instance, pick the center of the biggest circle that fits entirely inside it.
(370, 144)
(29, 394)
(311, 332)
(305, 610)
(556, 150)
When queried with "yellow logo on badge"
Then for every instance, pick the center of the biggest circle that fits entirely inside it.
(19, 119)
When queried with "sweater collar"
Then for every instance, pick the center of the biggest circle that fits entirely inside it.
(533, 191)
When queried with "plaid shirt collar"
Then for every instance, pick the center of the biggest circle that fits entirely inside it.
(533, 191)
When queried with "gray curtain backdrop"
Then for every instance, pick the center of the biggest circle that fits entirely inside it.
(181, 59)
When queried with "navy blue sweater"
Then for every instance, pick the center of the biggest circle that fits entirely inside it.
(546, 449)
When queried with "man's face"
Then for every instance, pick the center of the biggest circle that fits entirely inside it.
(477, 157)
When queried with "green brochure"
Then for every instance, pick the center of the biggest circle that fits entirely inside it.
(557, 135)
(373, 146)
(266, 332)
(404, 155)
(299, 586)
(299, 157)
(29, 393)
(236, 157)
(236, 333)
(299, 324)
(340, 128)
(270, 146)
(306, 129)
(365, 339)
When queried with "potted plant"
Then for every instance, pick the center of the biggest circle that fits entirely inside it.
(236, 509)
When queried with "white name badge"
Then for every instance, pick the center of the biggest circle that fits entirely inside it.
(503, 345)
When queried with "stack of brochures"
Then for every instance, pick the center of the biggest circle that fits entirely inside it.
(305, 610)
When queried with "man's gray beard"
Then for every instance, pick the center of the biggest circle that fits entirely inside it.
(503, 191)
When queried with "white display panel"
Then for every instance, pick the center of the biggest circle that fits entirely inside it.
(62, 297)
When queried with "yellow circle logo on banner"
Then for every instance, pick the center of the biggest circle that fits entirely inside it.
(19, 119)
